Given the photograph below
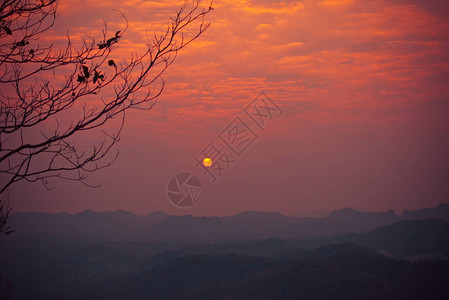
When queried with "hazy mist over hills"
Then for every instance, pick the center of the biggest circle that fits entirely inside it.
(263, 255)
(122, 225)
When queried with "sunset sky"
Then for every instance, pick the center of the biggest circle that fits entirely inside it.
(363, 86)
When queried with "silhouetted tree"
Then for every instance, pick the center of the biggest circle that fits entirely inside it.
(51, 96)
(5, 210)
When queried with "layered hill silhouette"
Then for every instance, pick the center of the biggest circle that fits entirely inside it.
(251, 255)
(249, 225)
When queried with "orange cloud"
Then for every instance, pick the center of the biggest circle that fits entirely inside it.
(340, 56)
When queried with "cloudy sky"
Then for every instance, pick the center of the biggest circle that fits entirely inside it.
(363, 86)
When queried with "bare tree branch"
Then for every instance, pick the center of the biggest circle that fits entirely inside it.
(50, 97)
(5, 211)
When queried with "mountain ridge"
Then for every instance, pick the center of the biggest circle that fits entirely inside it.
(120, 224)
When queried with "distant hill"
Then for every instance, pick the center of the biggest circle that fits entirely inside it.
(116, 225)
(413, 239)
(250, 225)
(148, 220)
(362, 220)
(85, 224)
(439, 212)
(317, 213)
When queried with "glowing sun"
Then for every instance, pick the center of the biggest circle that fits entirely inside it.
(207, 162)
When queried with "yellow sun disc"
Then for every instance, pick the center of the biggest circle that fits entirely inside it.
(207, 162)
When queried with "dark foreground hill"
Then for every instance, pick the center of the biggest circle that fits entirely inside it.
(336, 271)
(341, 271)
